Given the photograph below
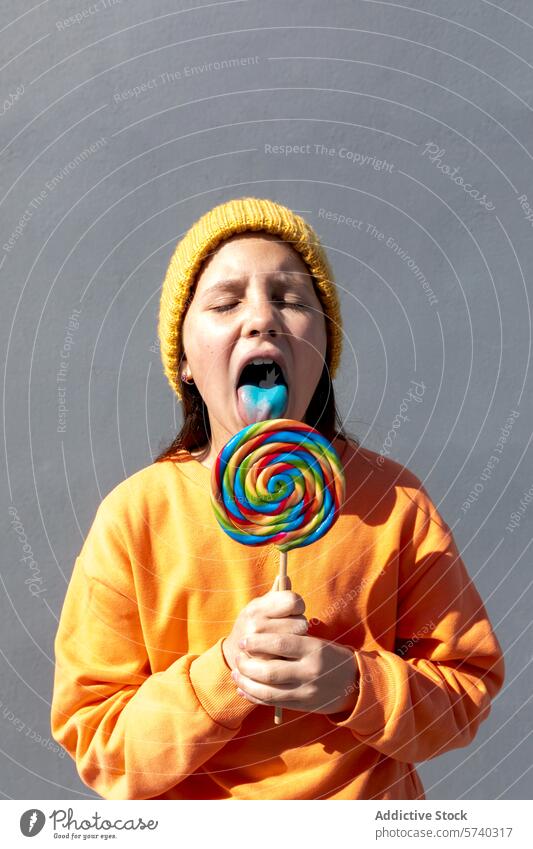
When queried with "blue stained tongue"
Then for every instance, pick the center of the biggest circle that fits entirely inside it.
(259, 403)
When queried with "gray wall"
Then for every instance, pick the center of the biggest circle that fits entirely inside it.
(397, 92)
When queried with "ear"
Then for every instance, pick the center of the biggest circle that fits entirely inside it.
(183, 366)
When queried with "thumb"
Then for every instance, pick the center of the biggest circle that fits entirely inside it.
(275, 585)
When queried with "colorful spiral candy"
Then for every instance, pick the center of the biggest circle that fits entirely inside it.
(277, 481)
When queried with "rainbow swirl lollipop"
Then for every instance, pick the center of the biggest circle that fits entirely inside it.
(277, 481)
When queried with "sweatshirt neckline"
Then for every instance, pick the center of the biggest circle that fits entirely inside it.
(193, 464)
(199, 467)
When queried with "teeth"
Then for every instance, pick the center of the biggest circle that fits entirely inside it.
(274, 372)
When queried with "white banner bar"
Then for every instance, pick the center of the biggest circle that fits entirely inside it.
(202, 824)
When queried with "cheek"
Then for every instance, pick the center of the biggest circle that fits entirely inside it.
(204, 337)
(313, 336)
(209, 347)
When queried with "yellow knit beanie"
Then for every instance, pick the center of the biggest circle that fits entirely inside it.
(218, 224)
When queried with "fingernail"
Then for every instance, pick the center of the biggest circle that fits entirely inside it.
(234, 674)
(242, 643)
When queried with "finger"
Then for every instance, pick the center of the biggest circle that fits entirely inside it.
(283, 584)
(286, 704)
(292, 704)
(252, 699)
(280, 603)
(278, 645)
(275, 673)
(248, 697)
(289, 625)
(275, 585)
(264, 693)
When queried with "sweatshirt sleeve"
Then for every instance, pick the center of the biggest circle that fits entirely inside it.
(133, 733)
(432, 692)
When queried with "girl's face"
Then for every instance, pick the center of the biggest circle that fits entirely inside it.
(254, 296)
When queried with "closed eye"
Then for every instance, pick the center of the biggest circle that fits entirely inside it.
(224, 307)
(295, 305)
(292, 304)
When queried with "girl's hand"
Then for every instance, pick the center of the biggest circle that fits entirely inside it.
(276, 612)
(297, 672)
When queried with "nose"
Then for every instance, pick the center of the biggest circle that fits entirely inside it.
(262, 317)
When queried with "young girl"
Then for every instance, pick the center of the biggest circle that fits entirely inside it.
(174, 645)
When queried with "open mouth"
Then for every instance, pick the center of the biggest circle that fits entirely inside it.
(262, 391)
(263, 373)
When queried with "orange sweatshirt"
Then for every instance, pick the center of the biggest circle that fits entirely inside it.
(144, 700)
